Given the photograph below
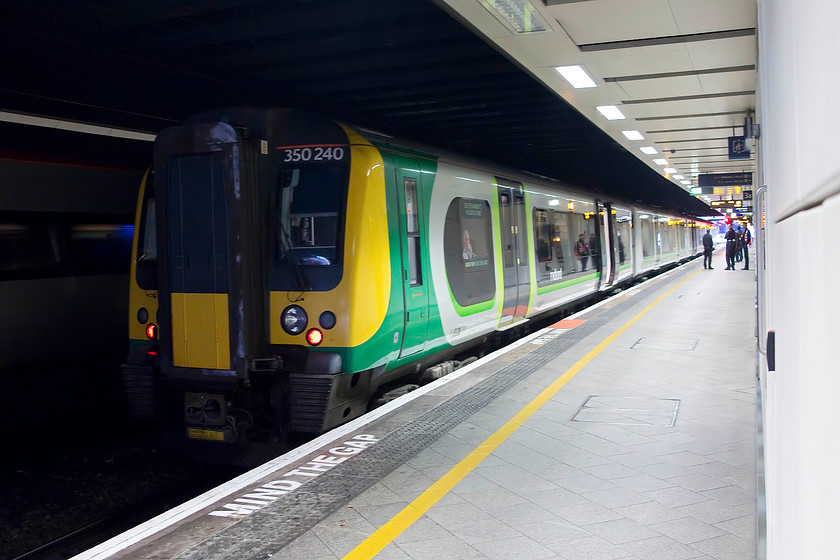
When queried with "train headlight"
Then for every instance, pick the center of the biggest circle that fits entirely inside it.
(293, 319)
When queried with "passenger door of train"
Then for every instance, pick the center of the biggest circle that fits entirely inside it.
(409, 183)
(606, 223)
(196, 218)
(517, 279)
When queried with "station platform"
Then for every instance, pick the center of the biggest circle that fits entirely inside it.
(627, 431)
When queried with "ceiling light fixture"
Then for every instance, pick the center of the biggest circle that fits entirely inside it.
(74, 126)
(685, 182)
(677, 177)
(670, 170)
(610, 112)
(660, 161)
(649, 150)
(633, 134)
(517, 15)
(576, 76)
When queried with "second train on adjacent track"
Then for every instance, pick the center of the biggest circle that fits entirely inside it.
(288, 268)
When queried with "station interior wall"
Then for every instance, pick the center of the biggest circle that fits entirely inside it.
(797, 93)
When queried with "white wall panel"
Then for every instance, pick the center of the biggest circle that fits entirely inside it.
(818, 83)
(779, 120)
(799, 78)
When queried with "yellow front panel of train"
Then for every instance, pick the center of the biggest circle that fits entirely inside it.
(200, 331)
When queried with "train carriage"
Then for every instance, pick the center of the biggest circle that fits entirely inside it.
(288, 268)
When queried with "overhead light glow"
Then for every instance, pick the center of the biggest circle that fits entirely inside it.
(660, 161)
(685, 182)
(576, 76)
(677, 176)
(670, 170)
(519, 15)
(611, 112)
(633, 134)
(649, 150)
(74, 126)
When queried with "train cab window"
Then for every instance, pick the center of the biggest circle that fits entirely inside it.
(412, 226)
(309, 211)
(308, 202)
(146, 268)
(468, 251)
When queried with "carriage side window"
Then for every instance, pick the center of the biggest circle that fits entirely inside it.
(412, 226)
(27, 246)
(468, 251)
(542, 234)
(62, 244)
(647, 235)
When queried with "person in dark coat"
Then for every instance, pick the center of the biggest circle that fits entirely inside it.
(708, 248)
(582, 251)
(731, 247)
(746, 238)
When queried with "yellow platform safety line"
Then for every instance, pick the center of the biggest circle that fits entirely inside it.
(371, 546)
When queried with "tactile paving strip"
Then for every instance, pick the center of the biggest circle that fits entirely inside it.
(269, 530)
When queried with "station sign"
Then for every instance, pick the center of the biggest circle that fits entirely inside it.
(710, 180)
(738, 148)
(727, 203)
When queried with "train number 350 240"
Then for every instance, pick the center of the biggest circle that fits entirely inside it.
(317, 153)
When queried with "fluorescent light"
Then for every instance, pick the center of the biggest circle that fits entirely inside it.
(633, 134)
(685, 182)
(649, 150)
(74, 126)
(554, 202)
(660, 161)
(677, 177)
(519, 15)
(611, 112)
(576, 76)
(670, 170)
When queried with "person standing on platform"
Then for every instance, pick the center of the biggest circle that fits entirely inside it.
(731, 246)
(708, 248)
(746, 238)
(739, 244)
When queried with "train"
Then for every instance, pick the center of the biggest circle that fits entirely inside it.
(289, 269)
(65, 253)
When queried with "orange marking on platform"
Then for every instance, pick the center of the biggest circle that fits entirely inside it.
(567, 324)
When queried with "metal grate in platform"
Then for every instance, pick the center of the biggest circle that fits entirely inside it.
(628, 411)
(667, 344)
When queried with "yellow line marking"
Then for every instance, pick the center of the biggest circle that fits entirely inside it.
(371, 546)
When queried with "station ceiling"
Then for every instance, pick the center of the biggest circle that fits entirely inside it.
(438, 72)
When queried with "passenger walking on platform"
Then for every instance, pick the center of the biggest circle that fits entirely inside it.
(731, 246)
(582, 252)
(746, 238)
(708, 248)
